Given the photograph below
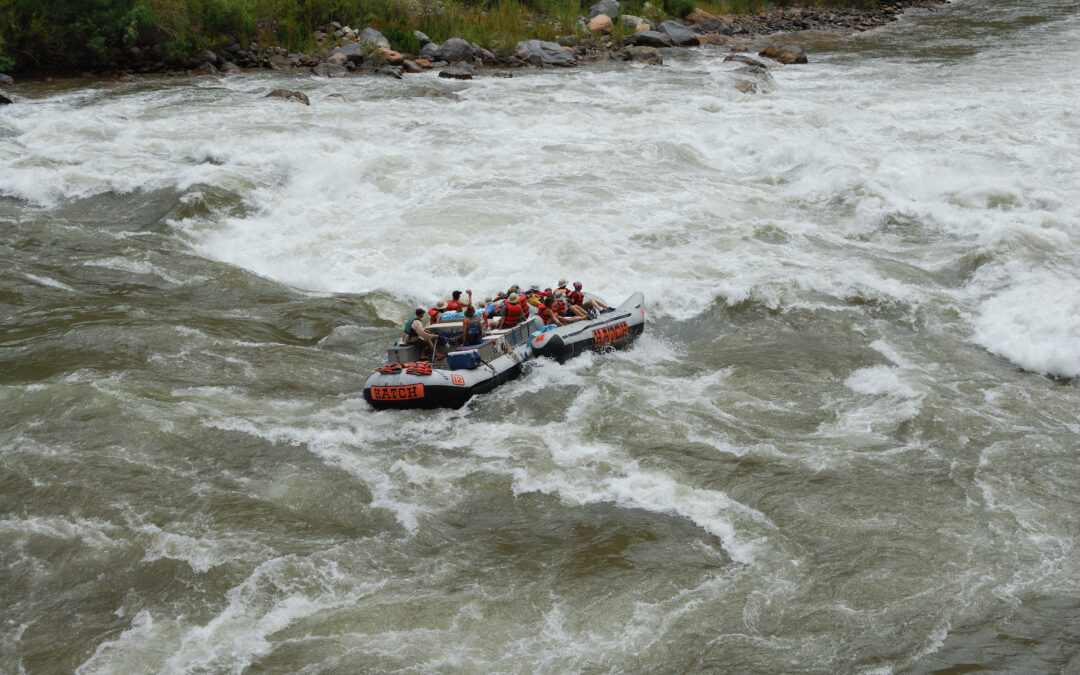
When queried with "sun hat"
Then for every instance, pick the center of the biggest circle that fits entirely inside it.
(534, 287)
(513, 299)
(440, 304)
(563, 282)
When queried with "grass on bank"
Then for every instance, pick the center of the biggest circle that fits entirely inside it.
(70, 35)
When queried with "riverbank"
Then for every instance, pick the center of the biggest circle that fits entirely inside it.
(340, 50)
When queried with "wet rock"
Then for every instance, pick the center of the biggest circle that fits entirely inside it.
(370, 35)
(328, 69)
(207, 69)
(541, 53)
(6, 80)
(337, 97)
(649, 55)
(648, 38)
(751, 60)
(502, 73)
(601, 23)
(428, 51)
(230, 68)
(412, 67)
(454, 50)
(337, 59)
(786, 54)
(287, 95)
(389, 71)
(753, 80)
(4, 98)
(608, 7)
(680, 35)
(458, 71)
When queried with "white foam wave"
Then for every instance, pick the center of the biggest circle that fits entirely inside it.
(1035, 324)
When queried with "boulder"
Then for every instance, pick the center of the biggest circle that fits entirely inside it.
(608, 7)
(328, 69)
(753, 80)
(278, 62)
(337, 59)
(421, 37)
(649, 55)
(630, 22)
(4, 98)
(289, 96)
(206, 56)
(454, 50)
(458, 71)
(373, 36)
(428, 51)
(412, 67)
(230, 68)
(648, 38)
(541, 53)
(389, 71)
(601, 23)
(751, 60)
(207, 69)
(786, 54)
(6, 80)
(680, 35)
(392, 57)
(352, 52)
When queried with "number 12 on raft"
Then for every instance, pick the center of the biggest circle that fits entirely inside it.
(610, 334)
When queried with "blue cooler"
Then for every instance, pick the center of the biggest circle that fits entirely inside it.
(464, 360)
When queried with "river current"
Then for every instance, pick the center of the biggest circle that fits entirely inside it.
(847, 441)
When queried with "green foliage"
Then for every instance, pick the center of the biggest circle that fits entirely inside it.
(678, 8)
(402, 40)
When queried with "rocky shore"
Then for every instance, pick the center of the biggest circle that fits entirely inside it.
(345, 51)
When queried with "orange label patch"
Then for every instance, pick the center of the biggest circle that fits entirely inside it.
(403, 393)
(458, 380)
(610, 334)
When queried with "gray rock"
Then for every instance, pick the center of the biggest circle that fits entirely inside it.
(372, 35)
(680, 35)
(328, 69)
(713, 25)
(278, 62)
(428, 51)
(352, 52)
(207, 69)
(455, 50)
(650, 55)
(334, 25)
(424, 39)
(458, 71)
(411, 67)
(389, 71)
(230, 68)
(4, 98)
(207, 56)
(648, 38)
(629, 21)
(6, 80)
(337, 59)
(540, 53)
(609, 7)
(786, 54)
(287, 95)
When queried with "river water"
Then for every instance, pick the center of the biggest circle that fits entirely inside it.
(846, 442)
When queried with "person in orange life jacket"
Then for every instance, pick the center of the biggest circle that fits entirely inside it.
(436, 312)
(550, 315)
(471, 331)
(563, 309)
(525, 305)
(563, 286)
(415, 332)
(511, 312)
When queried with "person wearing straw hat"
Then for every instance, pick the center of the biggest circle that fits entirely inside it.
(436, 312)
(512, 312)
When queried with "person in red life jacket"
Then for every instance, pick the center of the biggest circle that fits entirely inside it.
(436, 312)
(563, 286)
(455, 304)
(415, 332)
(563, 309)
(582, 304)
(550, 314)
(525, 305)
(511, 312)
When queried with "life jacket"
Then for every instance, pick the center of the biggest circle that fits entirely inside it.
(560, 307)
(409, 330)
(453, 306)
(575, 297)
(534, 300)
(434, 314)
(547, 315)
(513, 315)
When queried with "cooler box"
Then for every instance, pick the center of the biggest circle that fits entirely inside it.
(464, 360)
